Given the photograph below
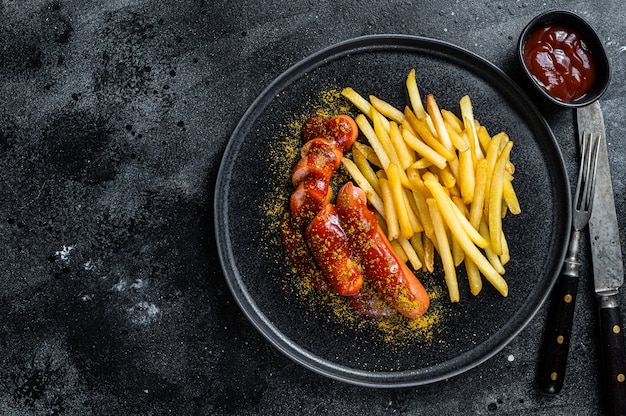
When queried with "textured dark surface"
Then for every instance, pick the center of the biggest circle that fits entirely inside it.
(113, 120)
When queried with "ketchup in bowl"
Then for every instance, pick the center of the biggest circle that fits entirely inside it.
(560, 60)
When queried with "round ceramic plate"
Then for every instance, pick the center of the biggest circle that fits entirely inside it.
(317, 329)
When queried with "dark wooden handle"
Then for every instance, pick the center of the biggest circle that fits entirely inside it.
(556, 341)
(613, 359)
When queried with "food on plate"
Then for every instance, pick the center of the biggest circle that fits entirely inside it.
(321, 242)
(426, 180)
(389, 275)
(330, 247)
(438, 182)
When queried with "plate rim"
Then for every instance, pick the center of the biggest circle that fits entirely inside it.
(247, 304)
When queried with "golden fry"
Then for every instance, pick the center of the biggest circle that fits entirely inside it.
(440, 127)
(453, 121)
(458, 139)
(429, 254)
(368, 131)
(414, 95)
(424, 133)
(423, 149)
(418, 245)
(480, 188)
(397, 196)
(360, 160)
(510, 198)
(491, 256)
(467, 115)
(412, 210)
(443, 248)
(372, 196)
(466, 243)
(368, 152)
(473, 277)
(391, 217)
(410, 252)
(386, 109)
(355, 98)
(495, 200)
(437, 181)
(420, 195)
(467, 177)
(405, 154)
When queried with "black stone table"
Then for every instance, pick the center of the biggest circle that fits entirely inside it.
(113, 120)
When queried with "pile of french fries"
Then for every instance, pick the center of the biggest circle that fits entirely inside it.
(437, 182)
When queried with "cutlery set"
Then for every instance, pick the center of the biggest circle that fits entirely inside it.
(594, 208)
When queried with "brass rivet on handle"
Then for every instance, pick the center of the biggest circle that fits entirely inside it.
(616, 329)
(554, 376)
(621, 378)
(567, 298)
(560, 339)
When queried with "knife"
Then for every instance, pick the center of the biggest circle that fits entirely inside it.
(608, 270)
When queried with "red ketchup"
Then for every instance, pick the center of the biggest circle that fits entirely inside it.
(560, 60)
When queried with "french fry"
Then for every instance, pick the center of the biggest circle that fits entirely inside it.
(473, 277)
(483, 137)
(372, 196)
(446, 176)
(495, 200)
(458, 139)
(420, 194)
(391, 217)
(423, 163)
(467, 177)
(355, 98)
(412, 210)
(437, 181)
(360, 160)
(508, 193)
(368, 152)
(405, 154)
(452, 120)
(397, 247)
(397, 196)
(440, 195)
(418, 245)
(467, 115)
(410, 253)
(368, 131)
(443, 248)
(429, 254)
(423, 149)
(386, 109)
(492, 156)
(457, 252)
(478, 202)
(436, 117)
(506, 255)
(466, 243)
(383, 138)
(423, 131)
(414, 95)
(491, 256)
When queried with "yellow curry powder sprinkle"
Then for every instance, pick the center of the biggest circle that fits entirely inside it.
(284, 153)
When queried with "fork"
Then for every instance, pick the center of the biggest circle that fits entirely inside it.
(561, 314)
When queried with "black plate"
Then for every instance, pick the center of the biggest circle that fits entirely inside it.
(317, 330)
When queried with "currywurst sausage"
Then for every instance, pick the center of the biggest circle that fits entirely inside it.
(331, 249)
(389, 275)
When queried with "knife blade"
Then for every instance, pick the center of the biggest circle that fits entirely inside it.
(608, 269)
